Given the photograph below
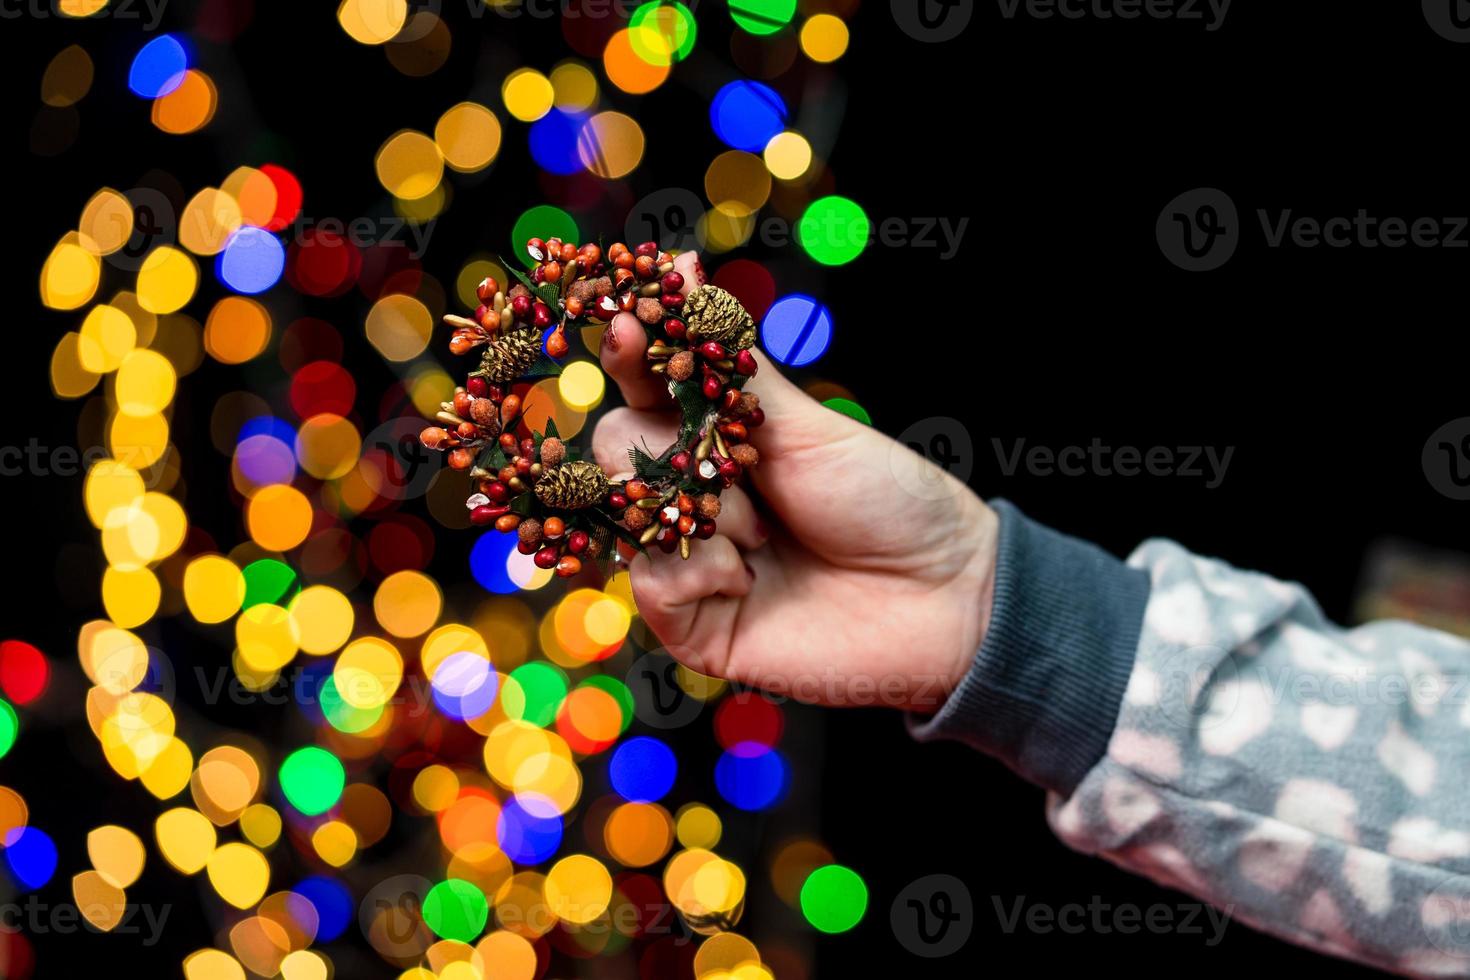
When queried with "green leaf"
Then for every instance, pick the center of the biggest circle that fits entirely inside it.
(549, 294)
(522, 504)
(693, 407)
(544, 367)
(524, 279)
(492, 458)
(551, 432)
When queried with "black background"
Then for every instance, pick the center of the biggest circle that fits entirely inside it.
(1058, 321)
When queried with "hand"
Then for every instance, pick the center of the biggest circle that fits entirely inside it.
(838, 586)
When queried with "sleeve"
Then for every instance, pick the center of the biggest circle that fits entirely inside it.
(1210, 729)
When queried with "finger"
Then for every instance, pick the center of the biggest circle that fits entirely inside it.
(624, 428)
(693, 603)
(739, 521)
(687, 264)
(624, 344)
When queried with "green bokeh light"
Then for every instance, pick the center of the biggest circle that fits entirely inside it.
(661, 32)
(834, 898)
(456, 909)
(545, 222)
(534, 692)
(268, 580)
(833, 230)
(9, 726)
(849, 408)
(312, 779)
(344, 717)
(762, 16)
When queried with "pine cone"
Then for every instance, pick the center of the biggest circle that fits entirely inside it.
(508, 357)
(713, 314)
(572, 486)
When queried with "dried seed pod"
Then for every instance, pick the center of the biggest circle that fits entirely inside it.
(745, 455)
(573, 485)
(553, 452)
(635, 518)
(713, 314)
(650, 311)
(530, 531)
(708, 506)
(681, 366)
(486, 414)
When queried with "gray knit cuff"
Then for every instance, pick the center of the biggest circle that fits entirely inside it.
(1044, 691)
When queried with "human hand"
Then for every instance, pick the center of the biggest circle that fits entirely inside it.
(835, 584)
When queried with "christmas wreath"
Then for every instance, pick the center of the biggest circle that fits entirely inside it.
(563, 508)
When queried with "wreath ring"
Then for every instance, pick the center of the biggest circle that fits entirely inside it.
(565, 509)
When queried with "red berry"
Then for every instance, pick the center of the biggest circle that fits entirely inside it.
(508, 442)
(568, 566)
(541, 317)
(648, 249)
(675, 329)
(546, 557)
(520, 307)
(495, 393)
(536, 248)
(485, 514)
(467, 430)
(606, 308)
(636, 490)
(497, 492)
(617, 501)
(477, 388)
(704, 530)
(553, 528)
(645, 267)
(756, 417)
(711, 351)
(712, 387)
(551, 272)
(487, 289)
(745, 363)
(672, 282)
(686, 525)
(527, 547)
(527, 447)
(729, 469)
(556, 344)
(734, 430)
(672, 301)
(680, 461)
(463, 401)
(523, 465)
(668, 540)
(577, 542)
(730, 400)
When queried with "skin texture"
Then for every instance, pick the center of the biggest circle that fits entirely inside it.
(829, 582)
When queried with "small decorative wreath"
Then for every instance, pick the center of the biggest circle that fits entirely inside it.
(565, 509)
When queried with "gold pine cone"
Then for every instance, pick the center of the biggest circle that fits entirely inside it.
(713, 314)
(573, 485)
(509, 356)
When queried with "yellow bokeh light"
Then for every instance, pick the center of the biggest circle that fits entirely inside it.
(305, 964)
(328, 446)
(611, 145)
(188, 108)
(69, 378)
(323, 618)
(697, 826)
(214, 588)
(372, 21)
(212, 964)
(239, 873)
(130, 597)
(138, 440)
(399, 326)
(107, 221)
(409, 165)
(167, 280)
(237, 329)
(824, 38)
(117, 854)
(528, 94)
(334, 842)
(100, 902)
(185, 839)
(435, 788)
(168, 774)
(70, 275)
(368, 672)
(574, 86)
(209, 220)
(145, 383)
(578, 888)
(107, 336)
(788, 156)
(110, 484)
(265, 637)
(627, 69)
(408, 603)
(261, 824)
(468, 136)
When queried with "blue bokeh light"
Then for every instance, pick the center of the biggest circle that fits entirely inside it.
(746, 115)
(488, 562)
(465, 685)
(642, 770)
(529, 829)
(252, 261)
(796, 330)
(333, 904)
(30, 853)
(554, 141)
(158, 67)
(752, 776)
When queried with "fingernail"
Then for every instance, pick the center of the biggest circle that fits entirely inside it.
(610, 338)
